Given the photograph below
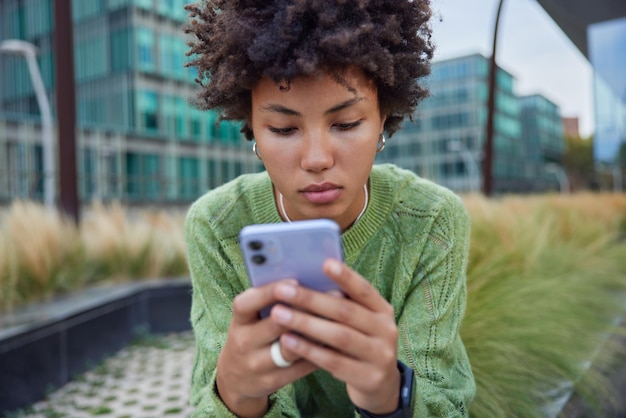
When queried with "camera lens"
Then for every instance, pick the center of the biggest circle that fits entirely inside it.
(258, 259)
(255, 245)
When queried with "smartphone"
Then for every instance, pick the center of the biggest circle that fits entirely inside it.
(293, 250)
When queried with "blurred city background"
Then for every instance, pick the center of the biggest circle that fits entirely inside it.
(138, 140)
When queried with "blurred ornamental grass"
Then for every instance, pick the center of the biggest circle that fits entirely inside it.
(546, 285)
(546, 291)
(44, 254)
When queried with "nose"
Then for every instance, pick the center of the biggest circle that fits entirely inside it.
(317, 152)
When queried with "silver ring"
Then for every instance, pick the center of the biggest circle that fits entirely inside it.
(277, 356)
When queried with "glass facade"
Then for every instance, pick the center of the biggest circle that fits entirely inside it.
(542, 137)
(139, 137)
(607, 53)
(445, 142)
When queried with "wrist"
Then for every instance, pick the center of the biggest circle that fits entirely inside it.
(241, 405)
(404, 407)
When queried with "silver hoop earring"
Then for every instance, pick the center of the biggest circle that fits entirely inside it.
(255, 151)
(381, 143)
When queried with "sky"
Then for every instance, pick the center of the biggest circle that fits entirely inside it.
(530, 46)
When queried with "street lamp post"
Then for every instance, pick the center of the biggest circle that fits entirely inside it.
(470, 163)
(29, 51)
(491, 110)
(561, 177)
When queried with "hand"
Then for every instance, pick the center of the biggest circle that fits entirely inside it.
(354, 338)
(246, 374)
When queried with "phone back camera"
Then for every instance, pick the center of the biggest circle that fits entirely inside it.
(255, 245)
(258, 259)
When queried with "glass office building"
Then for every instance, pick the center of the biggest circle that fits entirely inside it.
(543, 141)
(140, 141)
(598, 29)
(446, 140)
(607, 53)
(138, 138)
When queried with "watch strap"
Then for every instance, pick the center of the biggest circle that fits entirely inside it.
(406, 393)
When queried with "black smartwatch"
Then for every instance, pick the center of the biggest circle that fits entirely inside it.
(406, 394)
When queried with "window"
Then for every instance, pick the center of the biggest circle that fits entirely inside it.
(120, 50)
(117, 4)
(182, 110)
(145, 44)
(82, 9)
(144, 4)
(143, 175)
(38, 18)
(188, 174)
(148, 108)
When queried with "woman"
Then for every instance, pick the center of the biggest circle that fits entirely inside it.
(317, 85)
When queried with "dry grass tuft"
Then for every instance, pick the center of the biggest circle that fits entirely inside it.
(43, 253)
(546, 283)
(40, 254)
(546, 280)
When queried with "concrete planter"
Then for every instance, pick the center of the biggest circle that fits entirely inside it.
(44, 346)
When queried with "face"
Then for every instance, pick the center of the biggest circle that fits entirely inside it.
(318, 141)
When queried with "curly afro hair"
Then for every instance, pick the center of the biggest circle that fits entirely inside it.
(237, 42)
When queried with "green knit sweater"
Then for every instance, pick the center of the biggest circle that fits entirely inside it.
(411, 243)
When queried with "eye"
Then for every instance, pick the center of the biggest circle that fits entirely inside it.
(348, 125)
(282, 131)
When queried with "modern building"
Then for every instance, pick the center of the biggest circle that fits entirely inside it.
(571, 127)
(138, 138)
(544, 141)
(605, 40)
(598, 29)
(445, 142)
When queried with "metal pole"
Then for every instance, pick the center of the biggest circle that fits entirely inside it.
(66, 106)
(561, 177)
(491, 104)
(30, 51)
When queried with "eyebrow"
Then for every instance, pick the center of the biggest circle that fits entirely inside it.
(272, 107)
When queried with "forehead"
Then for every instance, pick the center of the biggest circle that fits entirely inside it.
(323, 84)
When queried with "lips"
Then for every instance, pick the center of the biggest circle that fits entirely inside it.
(322, 193)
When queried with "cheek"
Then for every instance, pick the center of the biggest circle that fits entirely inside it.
(278, 153)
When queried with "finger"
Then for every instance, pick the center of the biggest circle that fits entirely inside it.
(342, 367)
(322, 331)
(355, 286)
(338, 336)
(319, 355)
(341, 310)
(284, 376)
(248, 304)
(278, 358)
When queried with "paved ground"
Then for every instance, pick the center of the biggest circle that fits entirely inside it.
(149, 379)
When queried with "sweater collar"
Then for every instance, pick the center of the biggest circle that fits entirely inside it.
(378, 210)
(355, 238)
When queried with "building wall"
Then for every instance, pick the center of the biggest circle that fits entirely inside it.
(571, 127)
(139, 139)
(607, 46)
(543, 137)
(445, 142)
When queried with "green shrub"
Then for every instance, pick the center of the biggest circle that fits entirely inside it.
(546, 281)
(546, 284)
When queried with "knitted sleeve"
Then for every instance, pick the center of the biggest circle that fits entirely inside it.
(215, 284)
(431, 316)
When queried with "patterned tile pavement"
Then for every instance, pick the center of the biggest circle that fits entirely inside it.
(148, 379)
